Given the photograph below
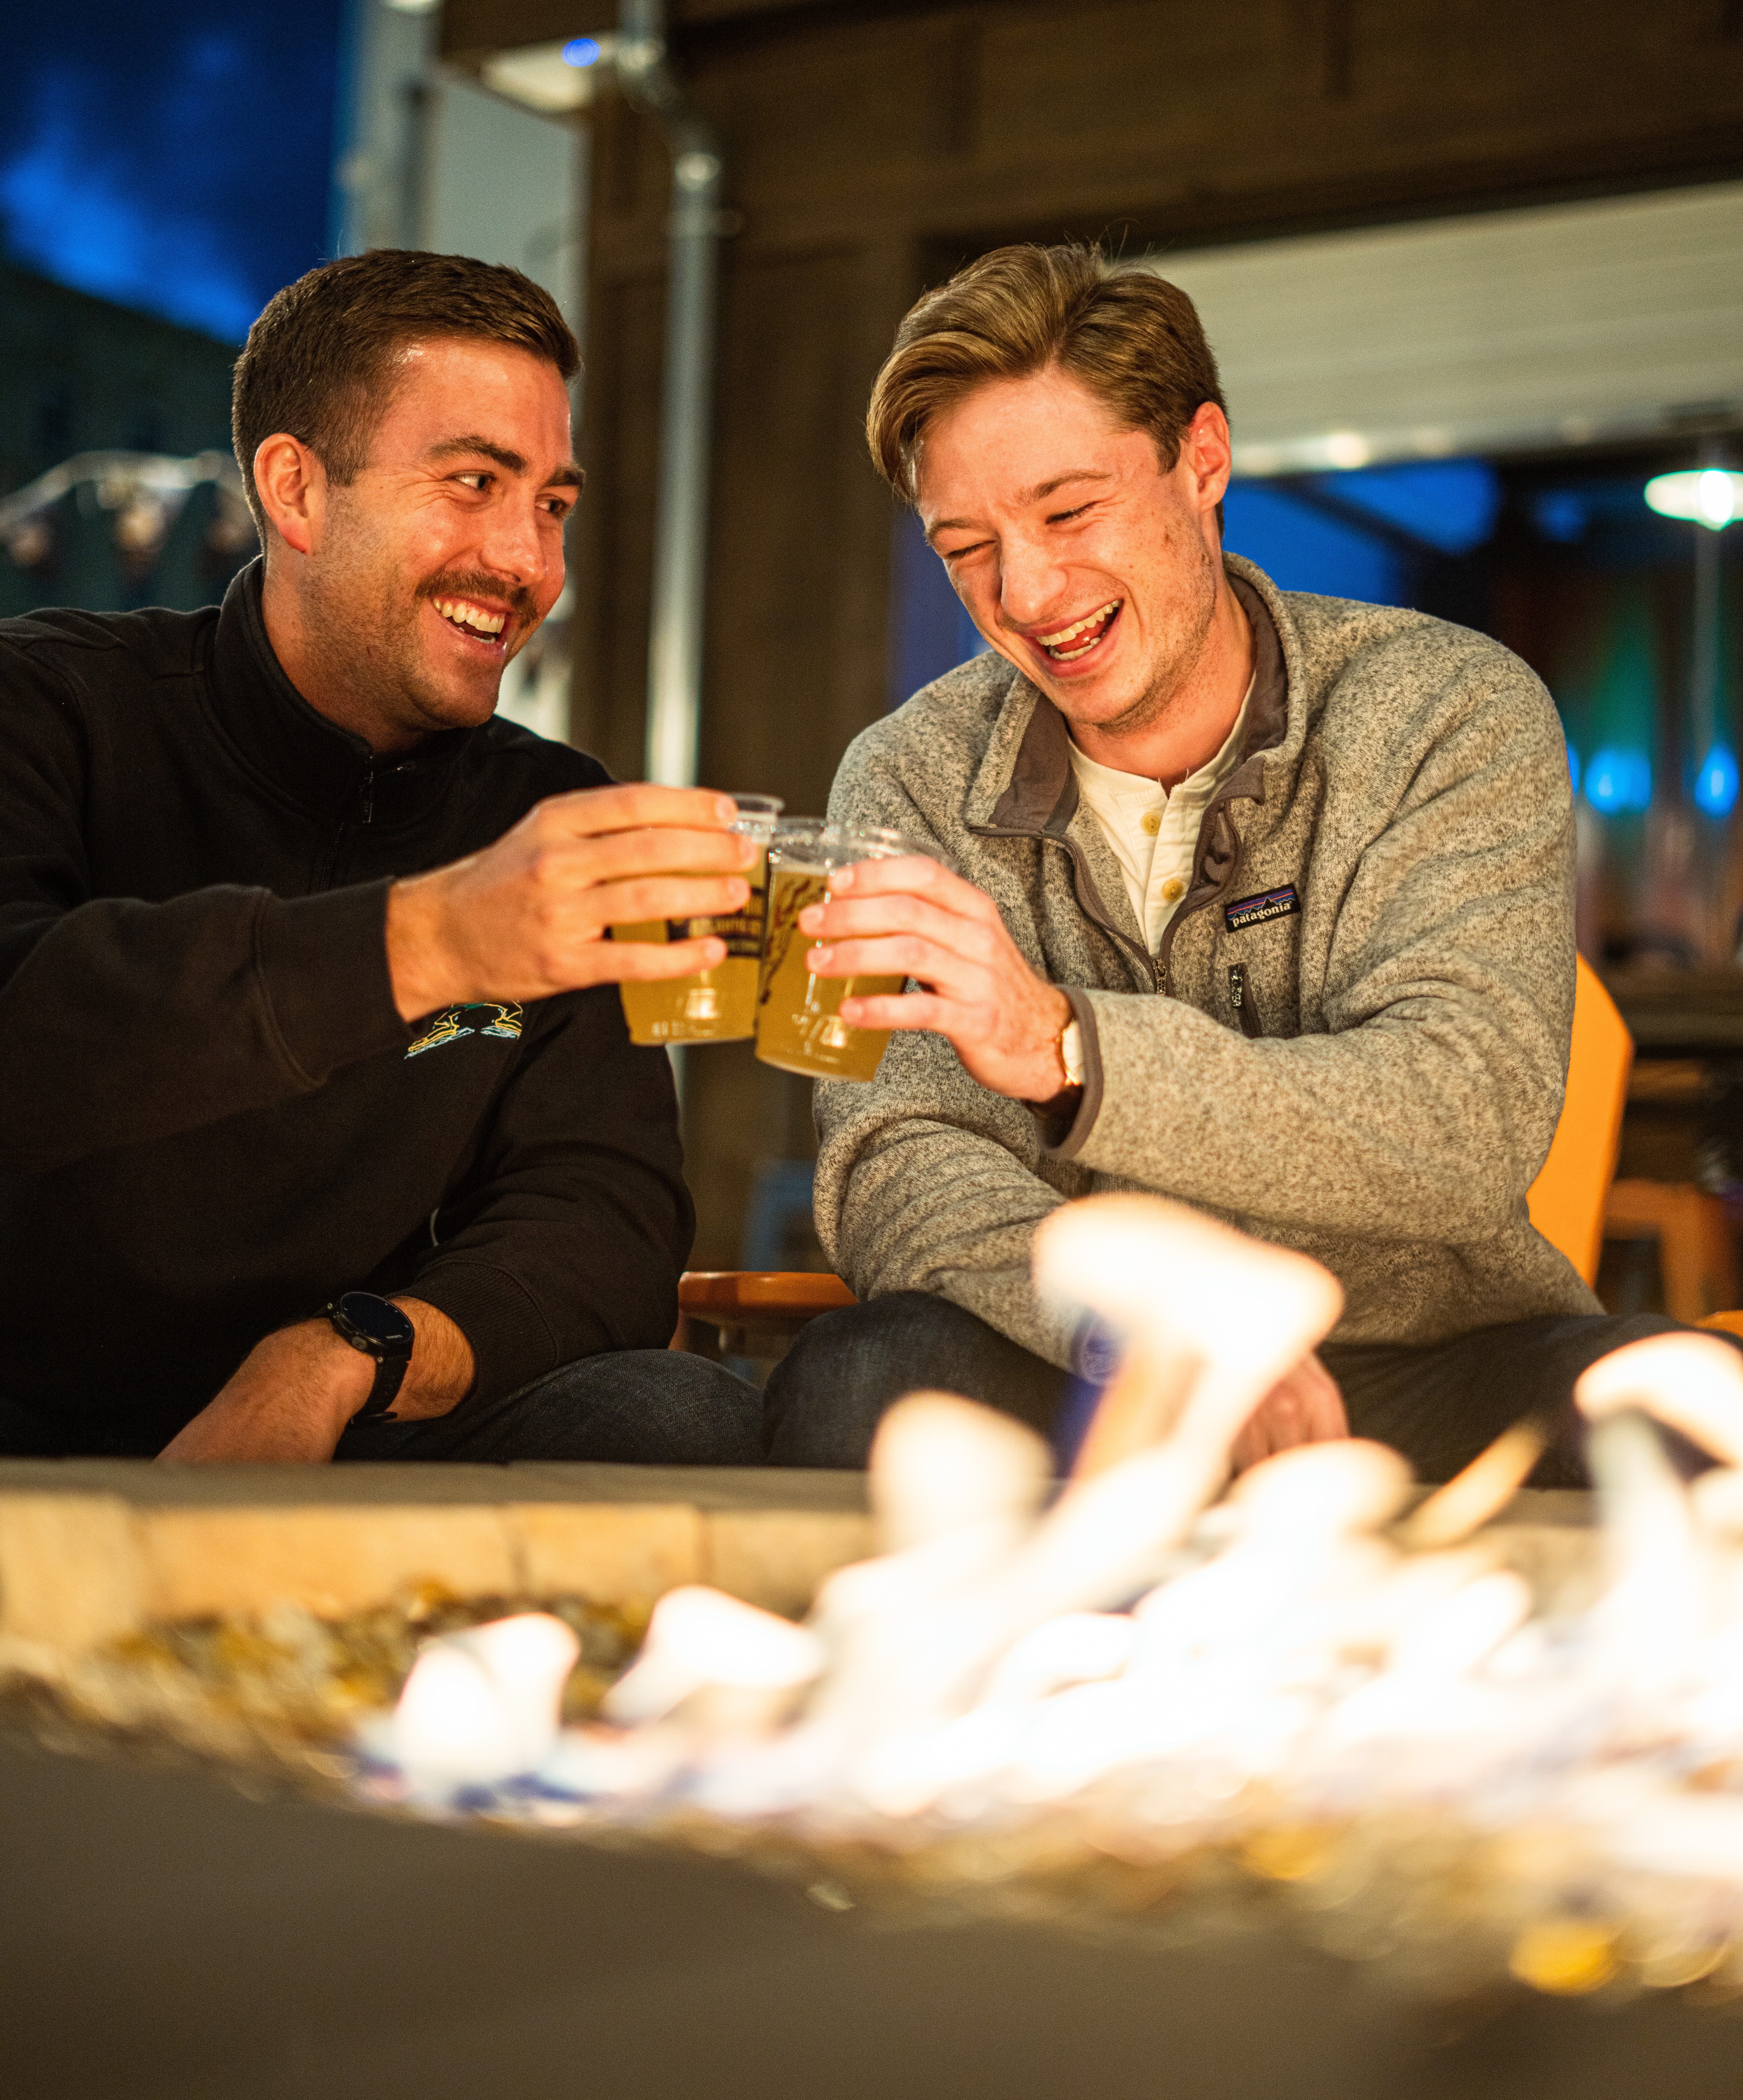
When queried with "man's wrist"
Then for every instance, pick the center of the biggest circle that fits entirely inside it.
(305, 1369)
(441, 1370)
(345, 1376)
(1063, 1082)
(417, 971)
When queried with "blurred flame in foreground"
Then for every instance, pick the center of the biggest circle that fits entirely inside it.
(1374, 1716)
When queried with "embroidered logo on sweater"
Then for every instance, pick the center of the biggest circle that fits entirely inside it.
(501, 1022)
(1255, 910)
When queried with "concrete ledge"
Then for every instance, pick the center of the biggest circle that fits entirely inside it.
(92, 1550)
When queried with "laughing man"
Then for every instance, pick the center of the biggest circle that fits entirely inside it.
(320, 1132)
(1265, 904)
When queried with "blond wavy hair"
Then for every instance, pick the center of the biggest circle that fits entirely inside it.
(1132, 339)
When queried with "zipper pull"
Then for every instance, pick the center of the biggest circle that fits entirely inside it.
(367, 792)
(1238, 999)
(1159, 971)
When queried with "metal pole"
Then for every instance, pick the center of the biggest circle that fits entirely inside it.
(674, 651)
(1704, 680)
(383, 120)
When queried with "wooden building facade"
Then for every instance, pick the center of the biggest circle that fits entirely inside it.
(870, 149)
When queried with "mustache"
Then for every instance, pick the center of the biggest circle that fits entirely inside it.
(473, 583)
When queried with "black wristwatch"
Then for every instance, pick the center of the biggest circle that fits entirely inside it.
(379, 1329)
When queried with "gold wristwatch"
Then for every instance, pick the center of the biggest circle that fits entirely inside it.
(1065, 1102)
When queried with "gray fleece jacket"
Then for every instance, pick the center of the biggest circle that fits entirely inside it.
(1354, 1037)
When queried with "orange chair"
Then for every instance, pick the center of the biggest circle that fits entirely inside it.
(1577, 1205)
(1567, 1201)
(1695, 1247)
(1574, 1202)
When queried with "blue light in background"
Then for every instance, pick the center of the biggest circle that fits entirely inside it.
(581, 52)
(1561, 515)
(1619, 782)
(135, 164)
(1574, 768)
(1301, 548)
(1716, 782)
(1448, 503)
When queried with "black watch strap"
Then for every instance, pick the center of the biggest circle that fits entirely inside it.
(376, 1327)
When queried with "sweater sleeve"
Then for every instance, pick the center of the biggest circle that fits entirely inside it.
(1427, 1103)
(926, 1181)
(123, 1020)
(570, 1234)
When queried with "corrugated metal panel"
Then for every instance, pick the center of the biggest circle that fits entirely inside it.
(1555, 324)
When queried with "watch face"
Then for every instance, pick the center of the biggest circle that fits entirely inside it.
(378, 1319)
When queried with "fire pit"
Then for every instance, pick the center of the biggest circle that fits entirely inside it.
(1468, 1746)
(251, 1614)
(1146, 1706)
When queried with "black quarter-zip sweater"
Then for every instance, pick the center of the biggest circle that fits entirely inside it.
(212, 1117)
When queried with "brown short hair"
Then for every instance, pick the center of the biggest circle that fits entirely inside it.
(1132, 339)
(315, 361)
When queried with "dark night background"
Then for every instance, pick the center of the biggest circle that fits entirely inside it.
(175, 159)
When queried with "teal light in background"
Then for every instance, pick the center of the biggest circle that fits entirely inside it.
(1574, 768)
(1621, 730)
(1619, 780)
(1716, 782)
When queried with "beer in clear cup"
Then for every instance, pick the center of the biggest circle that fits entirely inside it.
(799, 1025)
(717, 1005)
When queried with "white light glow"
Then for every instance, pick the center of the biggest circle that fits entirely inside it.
(1711, 496)
(543, 77)
(1347, 449)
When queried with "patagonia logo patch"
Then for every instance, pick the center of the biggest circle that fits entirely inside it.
(501, 1022)
(1255, 910)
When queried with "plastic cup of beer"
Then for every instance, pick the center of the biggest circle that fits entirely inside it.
(799, 1025)
(717, 1005)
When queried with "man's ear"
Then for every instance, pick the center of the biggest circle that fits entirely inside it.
(1207, 445)
(292, 484)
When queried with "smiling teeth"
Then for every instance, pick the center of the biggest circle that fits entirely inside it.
(1079, 627)
(463, 614)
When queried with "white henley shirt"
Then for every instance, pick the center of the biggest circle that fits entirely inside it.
(1153, 832)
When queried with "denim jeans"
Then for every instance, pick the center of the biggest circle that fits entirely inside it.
(1439, 1404)
(653, 1407)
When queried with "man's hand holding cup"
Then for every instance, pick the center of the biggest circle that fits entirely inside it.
(913, 918)
(531, 916)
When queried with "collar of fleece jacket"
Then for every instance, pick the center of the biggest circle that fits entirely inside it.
(323, 768)
(1033, 789)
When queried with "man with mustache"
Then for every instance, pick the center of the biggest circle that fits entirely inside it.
(1264, 903)
(323, 1136)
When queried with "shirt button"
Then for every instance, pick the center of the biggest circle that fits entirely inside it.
(1152, 823)
(1172, 890)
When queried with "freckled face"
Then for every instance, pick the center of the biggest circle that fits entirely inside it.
(1081, 559)
(438, 560)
